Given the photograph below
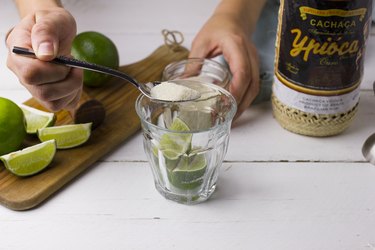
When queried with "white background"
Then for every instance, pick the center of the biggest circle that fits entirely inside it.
(277, 190)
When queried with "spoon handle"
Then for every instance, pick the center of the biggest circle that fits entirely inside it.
(72, 62)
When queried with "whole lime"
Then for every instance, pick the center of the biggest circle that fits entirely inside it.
(12, 126)
(96, 48)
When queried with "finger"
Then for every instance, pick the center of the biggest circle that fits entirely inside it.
(199, 48)
(67, 102)
(44, 38)
(253, 86)
(30, 71)
(20, 34)
(78, 75)
(239, 63)
(71, 105)
(36, 72)
(57, 90)
(56, 105)
(204, 47)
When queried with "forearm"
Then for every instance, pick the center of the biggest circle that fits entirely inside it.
(28, 6)
(246, 11)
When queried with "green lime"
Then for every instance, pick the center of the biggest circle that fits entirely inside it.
(173, 145)
(12, 126)
(30, 160)
(96, 48)
(185, 167)
(189, 173)
(179, 125)
(37, 119)
(66, 136)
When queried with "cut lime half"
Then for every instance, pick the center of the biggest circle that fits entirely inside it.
(189, 173)
(66, 136)
(175, 144)
(30, 160)
(37, 119)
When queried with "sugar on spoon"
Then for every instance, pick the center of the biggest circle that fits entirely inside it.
(368, 148)
(145, 88)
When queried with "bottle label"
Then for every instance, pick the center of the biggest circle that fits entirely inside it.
(320, 46)
(327, 105)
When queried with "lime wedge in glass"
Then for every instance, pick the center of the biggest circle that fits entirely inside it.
(173, 145)
(37, 119)
(66, 136)
(30, 160)
(189, 173)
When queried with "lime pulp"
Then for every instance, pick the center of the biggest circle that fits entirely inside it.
(66, 136)
(37, 119)
(30, 160)
(185, 168)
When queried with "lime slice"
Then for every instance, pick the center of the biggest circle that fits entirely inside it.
(66, 136)
(37, 119)
(30, 160)
(179, 125)
(173, 145)
(189, 173)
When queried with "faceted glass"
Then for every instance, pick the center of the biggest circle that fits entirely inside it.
(186, 142)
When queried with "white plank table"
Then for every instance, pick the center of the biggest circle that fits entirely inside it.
(277, 190)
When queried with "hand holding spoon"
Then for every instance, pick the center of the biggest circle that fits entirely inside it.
(145, 88)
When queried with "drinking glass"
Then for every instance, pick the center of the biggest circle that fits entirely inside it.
(186, 142)
(207, 70)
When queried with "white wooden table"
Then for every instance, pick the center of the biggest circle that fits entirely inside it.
(277, 190)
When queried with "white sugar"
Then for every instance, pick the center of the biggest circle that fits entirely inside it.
(169, 91)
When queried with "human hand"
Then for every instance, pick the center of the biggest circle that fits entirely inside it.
(49, 33)
(223, 34)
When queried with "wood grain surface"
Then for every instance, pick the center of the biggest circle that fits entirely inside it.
(121, 121)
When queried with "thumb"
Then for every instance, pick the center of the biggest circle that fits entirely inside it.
(44, 39)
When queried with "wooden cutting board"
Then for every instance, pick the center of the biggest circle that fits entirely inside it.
(121, 121)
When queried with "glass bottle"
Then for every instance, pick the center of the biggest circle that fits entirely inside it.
(320, 48)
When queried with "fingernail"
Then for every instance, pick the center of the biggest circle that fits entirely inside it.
(45, 49)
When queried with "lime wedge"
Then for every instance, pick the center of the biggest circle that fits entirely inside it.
(179, 125)
(37, 119)
(66, 136)
(173, 145)
(189, 173)
(30, 160)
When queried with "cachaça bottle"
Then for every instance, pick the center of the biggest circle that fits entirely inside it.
(320, 48)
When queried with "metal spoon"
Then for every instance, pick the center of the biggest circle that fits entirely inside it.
(368, 148)
(145, 88)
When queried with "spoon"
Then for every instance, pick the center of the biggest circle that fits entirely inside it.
(145, 88)
(368, 148)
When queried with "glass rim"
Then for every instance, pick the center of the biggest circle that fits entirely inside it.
(229, 117)
(202, 61)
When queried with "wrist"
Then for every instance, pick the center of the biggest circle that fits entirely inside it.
(245, 12)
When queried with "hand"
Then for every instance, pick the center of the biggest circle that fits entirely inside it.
(49, 33)
(223, 34)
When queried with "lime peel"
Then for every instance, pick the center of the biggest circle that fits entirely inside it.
(189, 172)
(173, 145)
(37, 119)
(96, 48)
(186, 167)
(30, 160)
(12, 126)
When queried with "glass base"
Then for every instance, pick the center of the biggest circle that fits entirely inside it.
(187, 197)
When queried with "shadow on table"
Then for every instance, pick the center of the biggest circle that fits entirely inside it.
(229, 188)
